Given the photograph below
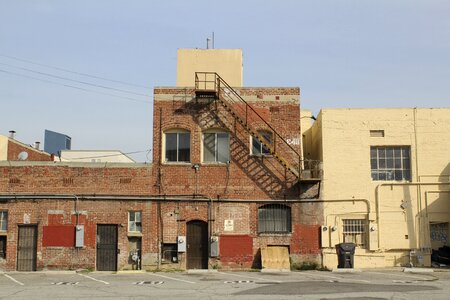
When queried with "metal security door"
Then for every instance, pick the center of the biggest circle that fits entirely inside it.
(27, 248)
(197, 245)
(107, 248)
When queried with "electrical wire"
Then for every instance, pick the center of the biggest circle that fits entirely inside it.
(110, 155)
(75, 87)
(73, 72)
(73, 80)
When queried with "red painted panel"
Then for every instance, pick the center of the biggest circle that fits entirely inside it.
(58, 236)
(234, 248)
(305, 239)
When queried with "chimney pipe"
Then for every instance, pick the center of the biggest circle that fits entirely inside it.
(11, 134)
(36, 145)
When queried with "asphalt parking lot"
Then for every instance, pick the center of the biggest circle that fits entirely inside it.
(367, 284)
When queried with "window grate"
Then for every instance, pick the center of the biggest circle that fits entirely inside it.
(355, 231)
(274, 218)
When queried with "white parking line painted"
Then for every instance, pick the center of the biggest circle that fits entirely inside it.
(401, 275)
(252, 277)
(338, 278)
(16, 281)
(172, 278)
(92, 278)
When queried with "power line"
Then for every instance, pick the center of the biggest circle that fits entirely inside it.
(109, 155)
(73, 72)
(75, 87)
(73, 80)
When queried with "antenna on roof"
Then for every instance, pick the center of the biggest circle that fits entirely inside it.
(22, 155)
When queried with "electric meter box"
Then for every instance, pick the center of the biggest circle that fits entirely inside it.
(79, 236)
(181, 243)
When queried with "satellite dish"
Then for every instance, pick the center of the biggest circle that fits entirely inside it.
(22, 155)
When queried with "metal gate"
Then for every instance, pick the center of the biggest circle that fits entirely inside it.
(107, 248)
(27, 248)
(197, 245)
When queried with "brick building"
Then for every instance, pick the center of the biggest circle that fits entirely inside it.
(226, 188)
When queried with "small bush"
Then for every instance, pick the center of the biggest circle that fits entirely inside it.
(305, 265)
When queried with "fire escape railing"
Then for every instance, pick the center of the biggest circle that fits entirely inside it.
(209, 84)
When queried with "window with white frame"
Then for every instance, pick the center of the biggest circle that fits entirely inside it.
(274, 218)
(259, 148)
(177, 147)
(3, 220)
(390, 163)
(134, 221)
(216, 147)
(355, 231)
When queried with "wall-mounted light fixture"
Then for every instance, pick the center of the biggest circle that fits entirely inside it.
(334, 228)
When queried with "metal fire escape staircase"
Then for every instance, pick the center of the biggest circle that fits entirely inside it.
(210, 86)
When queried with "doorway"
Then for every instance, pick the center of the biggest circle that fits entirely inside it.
(27, 248)
(197, 245)
(107, 248)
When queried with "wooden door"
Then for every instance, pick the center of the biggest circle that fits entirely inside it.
(107, 248)
(197, 245)
(27, 248)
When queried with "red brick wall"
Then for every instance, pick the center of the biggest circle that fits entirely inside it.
(60, 178)
(15, 148)
(246, 177)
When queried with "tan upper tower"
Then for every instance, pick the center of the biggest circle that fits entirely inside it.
(225, 62)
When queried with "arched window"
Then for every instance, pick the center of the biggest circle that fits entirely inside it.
(216, 146)
(274, 218)
(177, 146)
(259, 148)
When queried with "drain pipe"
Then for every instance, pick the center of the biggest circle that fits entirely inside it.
(377, 197)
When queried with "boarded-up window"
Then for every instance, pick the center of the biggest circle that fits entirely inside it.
(274, 218)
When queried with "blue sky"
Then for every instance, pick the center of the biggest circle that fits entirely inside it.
(341, 54)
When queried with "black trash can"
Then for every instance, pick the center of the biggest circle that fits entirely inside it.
(345, 253)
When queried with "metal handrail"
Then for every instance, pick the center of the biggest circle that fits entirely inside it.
(224, 89)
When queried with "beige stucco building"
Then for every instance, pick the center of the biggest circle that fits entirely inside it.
(386, 182)
(226, 62)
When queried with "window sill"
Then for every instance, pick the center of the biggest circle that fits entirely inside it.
(176, 163)
(223, 164)
(3, 233)
(274, 234)
(261, 155)
(134, 234)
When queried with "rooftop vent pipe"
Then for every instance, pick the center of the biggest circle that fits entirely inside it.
(11, 134)
(36, 145)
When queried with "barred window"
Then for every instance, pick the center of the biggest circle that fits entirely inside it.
(390, 163)
(274, 218)
(3, 220)
(355, 231)
(134, 221)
